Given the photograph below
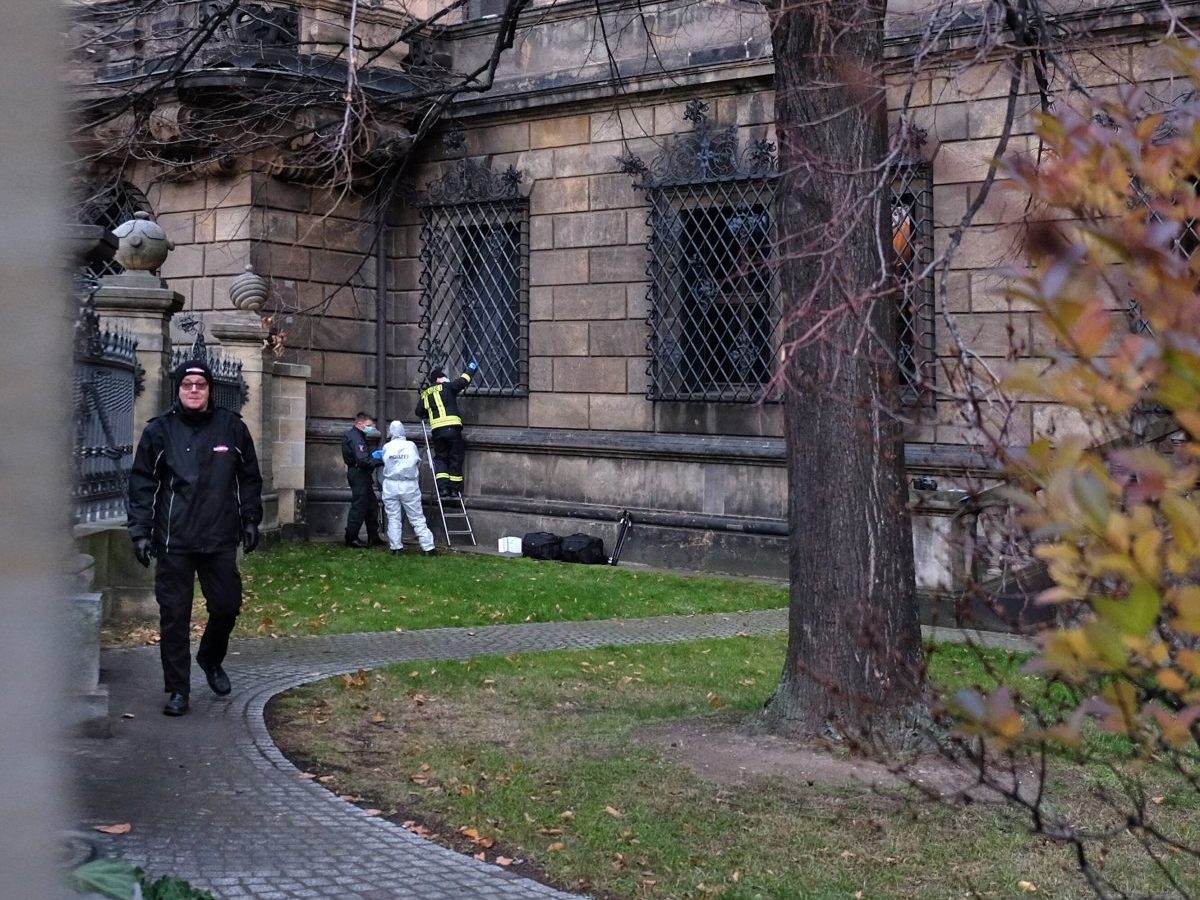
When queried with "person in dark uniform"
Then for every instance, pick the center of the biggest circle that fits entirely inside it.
(195, 493)
(438, 406)
(360, 464)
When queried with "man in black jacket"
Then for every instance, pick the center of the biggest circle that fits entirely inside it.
(360, 464)
(195, 493)
(438, 406)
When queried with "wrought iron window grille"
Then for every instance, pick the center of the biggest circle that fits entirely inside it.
(229, 388)
(714, 321)
(1184, 244)
(911, 194)
(475, 277)
(106, 380)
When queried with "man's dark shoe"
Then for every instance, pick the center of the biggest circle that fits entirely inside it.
(217, 679)
(177, 704)
(355, 542)
(376, 542)
(430, 552)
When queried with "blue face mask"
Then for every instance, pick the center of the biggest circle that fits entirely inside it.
(371, 431)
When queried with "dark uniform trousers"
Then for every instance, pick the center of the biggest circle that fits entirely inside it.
(449, 451)
(174, 584)
(363, 507)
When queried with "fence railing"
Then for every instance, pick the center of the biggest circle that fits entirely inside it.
(106, 380)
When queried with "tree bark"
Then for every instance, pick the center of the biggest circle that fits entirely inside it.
(854, 655)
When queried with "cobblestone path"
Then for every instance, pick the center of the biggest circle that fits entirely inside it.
(211, 799)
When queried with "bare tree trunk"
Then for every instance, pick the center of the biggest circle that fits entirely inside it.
(854, 652)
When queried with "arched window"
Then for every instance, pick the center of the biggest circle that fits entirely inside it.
(108, 204)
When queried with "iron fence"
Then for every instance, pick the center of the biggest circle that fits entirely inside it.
(107, 379)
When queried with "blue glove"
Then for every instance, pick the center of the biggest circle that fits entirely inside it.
(472, 366)
(376, 454)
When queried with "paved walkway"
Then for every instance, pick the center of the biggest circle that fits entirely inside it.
(211, 799)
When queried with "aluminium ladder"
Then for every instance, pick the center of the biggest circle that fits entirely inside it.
(450, 509)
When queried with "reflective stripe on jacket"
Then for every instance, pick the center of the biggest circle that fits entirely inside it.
(194, 483)
(439, 402)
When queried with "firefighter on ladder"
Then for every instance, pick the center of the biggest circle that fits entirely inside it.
(438, 407)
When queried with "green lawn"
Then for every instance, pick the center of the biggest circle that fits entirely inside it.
(322, 588)
(541, 754)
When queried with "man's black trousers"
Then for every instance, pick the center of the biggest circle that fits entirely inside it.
(449, 451)
(363, 507)
(174, 584)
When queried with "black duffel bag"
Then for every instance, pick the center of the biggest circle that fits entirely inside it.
(583, 548)
(541, 545)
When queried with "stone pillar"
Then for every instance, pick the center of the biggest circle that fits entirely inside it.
(241, 337)
(143, 303)
(289, 407)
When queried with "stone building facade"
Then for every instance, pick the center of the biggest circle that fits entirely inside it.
(527, 238)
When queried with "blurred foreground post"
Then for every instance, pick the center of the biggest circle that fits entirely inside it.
(36, 429)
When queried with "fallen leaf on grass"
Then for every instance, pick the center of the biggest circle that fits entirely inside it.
(373, 812)
(376, 719)
(1027, 886)
(308, 776)
(567, 815)
(325, 779)
(555, 847)
(481, 856)
(713, 699)
(122, 828)
(503, 861)
(615, 813)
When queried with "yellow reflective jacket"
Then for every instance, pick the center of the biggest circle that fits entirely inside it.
(439, 404)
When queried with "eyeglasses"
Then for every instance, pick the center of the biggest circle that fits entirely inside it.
(193, 385)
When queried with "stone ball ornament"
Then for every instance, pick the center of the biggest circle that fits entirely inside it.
(248, 291)
(142, 245)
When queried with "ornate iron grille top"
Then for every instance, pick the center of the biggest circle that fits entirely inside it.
(470, 181)
(706, 153)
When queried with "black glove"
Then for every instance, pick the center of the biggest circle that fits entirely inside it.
(143, 550)
(249, 536)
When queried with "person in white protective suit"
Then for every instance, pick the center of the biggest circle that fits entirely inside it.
(401, 489)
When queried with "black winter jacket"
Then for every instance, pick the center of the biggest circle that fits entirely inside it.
(195, 482)
(356, 452)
